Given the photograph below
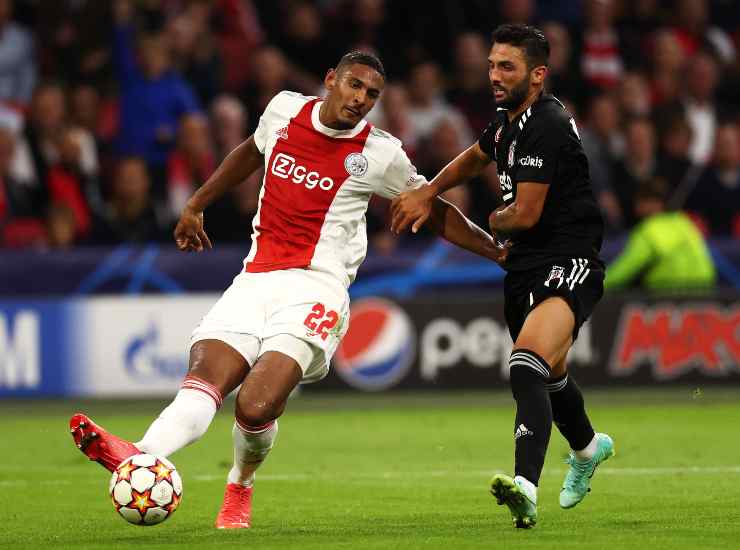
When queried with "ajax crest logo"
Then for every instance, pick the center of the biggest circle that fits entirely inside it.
(379, 347)
(356, 164)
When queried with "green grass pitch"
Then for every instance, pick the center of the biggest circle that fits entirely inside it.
(392, 471)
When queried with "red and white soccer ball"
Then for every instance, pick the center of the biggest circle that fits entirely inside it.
(146, 489)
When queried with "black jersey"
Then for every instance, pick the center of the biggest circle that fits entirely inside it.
(542, 145)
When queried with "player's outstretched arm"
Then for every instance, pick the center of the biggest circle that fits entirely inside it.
(414, 207)
(190, 234)
(448, 222)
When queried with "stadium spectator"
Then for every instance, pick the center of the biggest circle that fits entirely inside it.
(562, 80)
(239, 31)
(195, 50)
(634, 95)
(130, 214)
(517, 11)
(638, 167)
(674, 164)
(716, 196)
(75, 37)
(37, 149)
(229, 124)
(601, 56)
(17, 61)
(650, 257)
(153, 98)
(667, 68)
(392, 115)
(695, 32)
(428, 107)
(20, 203)
(472, 92)
(85, 111)
(270, 76)
(229, 218)
(700, 105)
(190, 164)
(304, 42)
(365, 26)
(69, 184)
(603, 144)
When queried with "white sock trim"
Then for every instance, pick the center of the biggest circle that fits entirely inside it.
(529, 488)
(588, 452)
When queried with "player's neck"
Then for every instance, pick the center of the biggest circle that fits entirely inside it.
(531, 98)
(327, 120)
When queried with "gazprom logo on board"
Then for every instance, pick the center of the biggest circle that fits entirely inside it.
(379, 347)
(143, 357)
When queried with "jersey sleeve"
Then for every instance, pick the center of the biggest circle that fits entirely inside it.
(400, 176)
(487, 141)
(262, 132)
(538, 149)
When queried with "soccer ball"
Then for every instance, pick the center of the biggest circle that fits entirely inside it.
(145, 489)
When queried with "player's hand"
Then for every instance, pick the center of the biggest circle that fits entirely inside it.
(410, 208)
(501, 251)
(189, 233)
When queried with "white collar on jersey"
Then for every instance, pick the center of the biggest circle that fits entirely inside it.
(331, 132)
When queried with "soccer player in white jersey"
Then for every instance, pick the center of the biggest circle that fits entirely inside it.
(282, 318)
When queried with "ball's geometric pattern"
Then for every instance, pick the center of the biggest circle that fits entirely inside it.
(145, 489)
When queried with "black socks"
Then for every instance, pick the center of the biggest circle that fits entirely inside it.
(569, 412)
(528, 376)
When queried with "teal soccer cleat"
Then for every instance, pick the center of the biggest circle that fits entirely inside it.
(511, 492)
(578, 479)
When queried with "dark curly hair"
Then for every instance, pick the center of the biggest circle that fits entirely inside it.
(530, 39)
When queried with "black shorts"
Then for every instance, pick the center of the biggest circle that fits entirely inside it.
(579, 281)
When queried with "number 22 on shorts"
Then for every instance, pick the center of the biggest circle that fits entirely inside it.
(321, 321)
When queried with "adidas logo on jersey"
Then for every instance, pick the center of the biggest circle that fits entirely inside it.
(521, 431)
(282, 133)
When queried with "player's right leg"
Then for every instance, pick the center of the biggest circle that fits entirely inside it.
(260, 401)
(542, 341)
(215, 370)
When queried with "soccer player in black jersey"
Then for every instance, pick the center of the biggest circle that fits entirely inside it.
(551, 223)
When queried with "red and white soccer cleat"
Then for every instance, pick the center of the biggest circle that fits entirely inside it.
(99, 445)
(236, 509)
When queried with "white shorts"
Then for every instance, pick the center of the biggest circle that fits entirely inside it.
(299, 312)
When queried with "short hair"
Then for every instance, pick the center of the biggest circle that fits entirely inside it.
(362, 58)
(530, 39)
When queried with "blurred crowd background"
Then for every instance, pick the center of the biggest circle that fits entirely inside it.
(113, 112)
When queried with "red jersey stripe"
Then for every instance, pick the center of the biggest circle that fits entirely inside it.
(303, 175)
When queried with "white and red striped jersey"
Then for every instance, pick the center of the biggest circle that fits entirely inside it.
(316, 188)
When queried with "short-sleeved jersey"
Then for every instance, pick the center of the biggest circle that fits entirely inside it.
(542, 145)
(316, 188)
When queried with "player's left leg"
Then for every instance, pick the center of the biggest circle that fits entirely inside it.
(260, 401)
(543, 341)
(568, 410)
(588, 449)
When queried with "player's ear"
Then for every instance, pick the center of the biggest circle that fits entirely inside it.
(539, 74)
(330, 79)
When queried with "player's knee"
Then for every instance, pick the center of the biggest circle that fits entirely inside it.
(526, 368)
(258, 412)
(217, 364)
